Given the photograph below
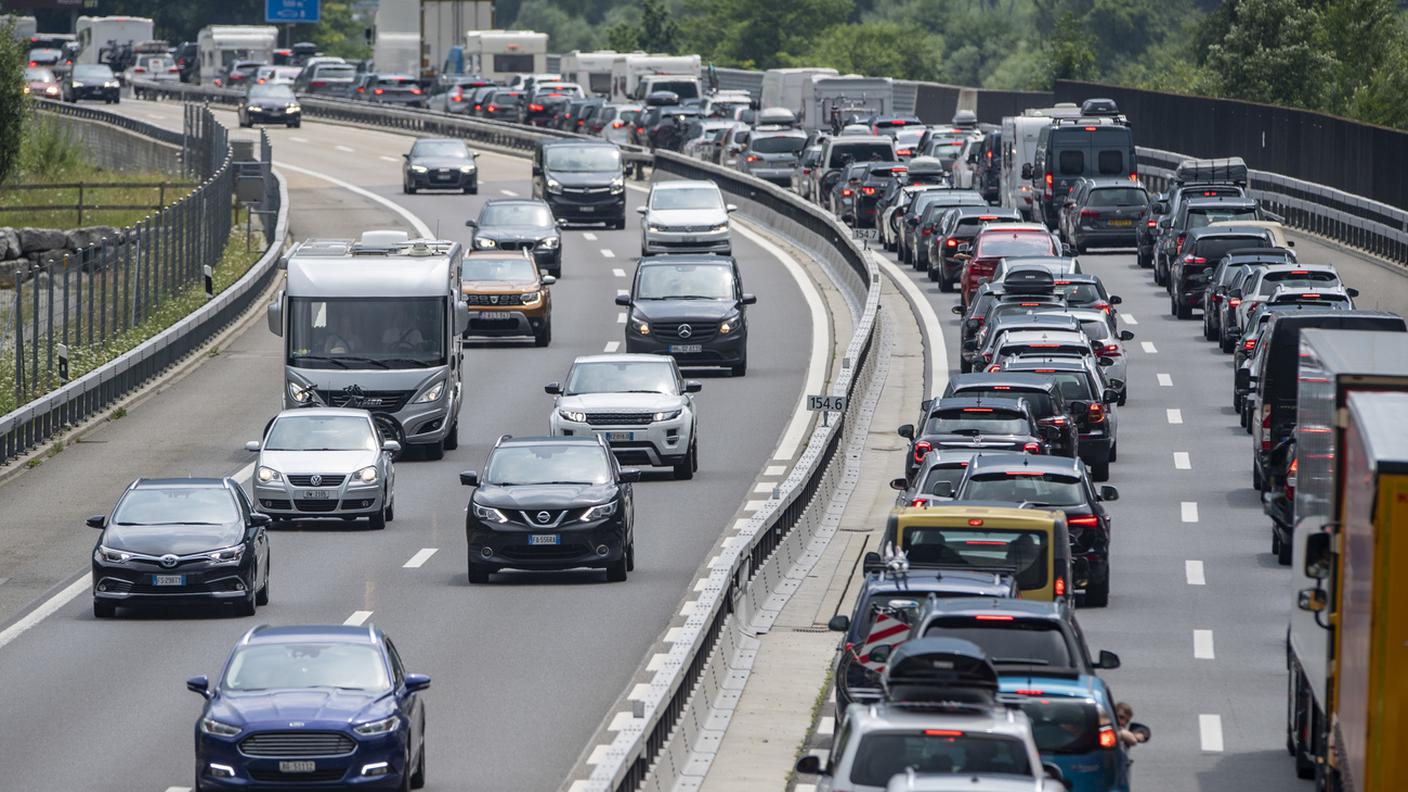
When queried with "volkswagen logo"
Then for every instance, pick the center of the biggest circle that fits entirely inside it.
(169, 561)
(315, 480)
(686, 331)
(544, 517)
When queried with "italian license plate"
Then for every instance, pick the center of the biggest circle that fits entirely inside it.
(544, 539)
(617, 437)
(686, 349)
(1125, 223)
(303, 766)
(168, 580)
(314, 495)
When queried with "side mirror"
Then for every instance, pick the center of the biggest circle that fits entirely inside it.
(406, 157)
(629, 475)
(943, 489)
(1050, 434)
(872, 562)
(199, 684)
(1141, 732)
(752, 299)
(1126, 335)
(899, 484)
(971, 345)
(554, 388)
(1115, 299)
(548, 280)
(1108, 493)
(1242, 380)
(98, 521)
(461, 317)
(471, 224)
(537, 170)
(1026, 170)
(881, 653)
(1108, 661)
(1067, 250)
(730, 208)
(469, 478)
(1109, 396)
(1104, 361)
(252, 446)
(561, 222)
(275, 314)
(914, 221)
(1053, 772)
(839, 623)
(1165, 222)
(906, 431)
(693, 386)
(956, 310)
(1317, 555)
(623, 300)
(1352, 293)
(417, 682)
(640, 210)
(391, 446)
(809, 764)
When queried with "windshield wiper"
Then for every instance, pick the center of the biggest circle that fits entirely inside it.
(321, 359)
(1021, 661)
(584, 483)
(405, 361)
(351, 359)
(641, 391)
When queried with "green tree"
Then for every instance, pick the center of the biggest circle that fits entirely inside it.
(757, 35)
(1069, 55)
(566, 31)
(1384, 98)
(1362, 36)
(886, 49)
(658, 30)
(1271, 53)
(14, 105)
(341, 32)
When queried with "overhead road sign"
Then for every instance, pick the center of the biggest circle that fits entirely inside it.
(289, 11)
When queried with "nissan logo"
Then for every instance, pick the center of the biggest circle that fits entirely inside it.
(686, 331)
(315, 480)
(169, 560)
(544, 517)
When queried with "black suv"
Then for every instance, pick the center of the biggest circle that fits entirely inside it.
(691, 307)
(1202, 249)
(520, 224)
(1166, 205)
(1173, 229)
(582, 181)
(875, 181)
(550, 503)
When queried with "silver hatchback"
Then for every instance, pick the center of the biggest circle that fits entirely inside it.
(318, 462)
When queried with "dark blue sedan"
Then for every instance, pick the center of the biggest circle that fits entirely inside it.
(311, 707)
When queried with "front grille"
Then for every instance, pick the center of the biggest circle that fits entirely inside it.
(494, 299)
(533, 517)
(317, 776)
(388, 401)
(516, 245)
(325, 480)
(586, 190)
(317, 505)
(703, 229)
(698, 331)
(545, 552)
(298, 744)
(620, 419)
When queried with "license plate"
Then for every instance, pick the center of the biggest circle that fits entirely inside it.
(1122, 223)
(168, 580)
(314, 495)
(691, 240)
(588, 208)
(686, 349)
(616, 437)
(477, 315)
(544, 539)
(297, 766)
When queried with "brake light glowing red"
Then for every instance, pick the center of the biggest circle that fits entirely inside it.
(1089, 213)
(899, 169)
(1090, 129)
(1088, 521)
(1234, 301)
(1178, 248)
(493, 108)
(847, 192)
(617, 124)
(1108, 738)
(1032, 448)
(1049, 180)
(1029, 692)
(379, 91)
(1152, 223)
(993, 617)
(1110, 350)
(1134, 177)
(535, 108)
(867, 190)
(1096, 413)
(416, 92)
(1060, 592)
(975, 522)
(1249, 345)
(951, 242)
(751, 158)
(1192, 259)
(977, 409)
(943, 732)
(903, 152)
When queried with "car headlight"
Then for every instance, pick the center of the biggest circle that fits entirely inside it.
(432, 393)
(212, 726)
(383, 726)
(419, 169)
(251, 107)
(530, 298)
(110, 84)
(268, 474)
(730, 324)
(227, 555)
(488, 513)
(292, 108)
(481, 242)
(366, 475)
(554, 186)
(720, 227)
(599, 512)
(642, 327)
(656, 227)
(52, 90)
(466, 169)
(575, 416)
(549, 243)
(299, 393)
(107, 555)
(668, 415)
(618, 184)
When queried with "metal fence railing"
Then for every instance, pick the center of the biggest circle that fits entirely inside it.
(69, 314)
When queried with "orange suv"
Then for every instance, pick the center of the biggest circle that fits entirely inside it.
(507, 295)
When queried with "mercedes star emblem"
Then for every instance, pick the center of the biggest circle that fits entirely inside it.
(169, 560)
(315, 480)
(686, 331)
(544, 517)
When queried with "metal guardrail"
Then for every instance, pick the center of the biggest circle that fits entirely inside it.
(127, 278)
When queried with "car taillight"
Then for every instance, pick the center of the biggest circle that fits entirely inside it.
(919, 502)
(1234, 301)
(1096, 414)
(1032, 448)
(751, 158)
(1215, 297)
(921, 450)
(927, 230)
(951, 242)
(1134, 177)
(33, 64)
(617, 124)
(1291, 478)
(493, 108)
(1060, 585)
(640, 130)
(1108, 738)
(1110, 350)
(378, 91)
(1104, 306)
(140, 70)
(535, 108)
(1151, 223)
(1249, 345)
(903, 152)
(1088, 521)
(1265, 428)
(1192, 259)
(1178, 245)
(1049, 181)
(867, 190)
(1251, 306)
(847, 192)
(993, 368)
(361, 89)
(456, 98)
(1089, 213)
(806, 171)
(317, 84)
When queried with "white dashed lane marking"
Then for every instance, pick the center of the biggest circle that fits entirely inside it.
(1210, 733)
(589, 236)
(1181, 460)
(346, 149)
(618, 272)
(606, 253)
(1175, 416)
(1190, 511)
(1193, 570)
(509, 193)
(385, 158)
(358, 618)
(621, 318)
(418, 560)
(297, 139)
(1202, 645)
(1149, 348)
(1129, 319)
(1165, 381)
(612, 346)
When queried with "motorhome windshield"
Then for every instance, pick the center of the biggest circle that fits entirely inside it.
(366, 333)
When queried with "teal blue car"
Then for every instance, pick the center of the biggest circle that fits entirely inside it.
(1073, 721)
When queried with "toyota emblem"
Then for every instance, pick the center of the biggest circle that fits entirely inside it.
(544, 517)
(686, 331)
(315, 480)
(169, 560)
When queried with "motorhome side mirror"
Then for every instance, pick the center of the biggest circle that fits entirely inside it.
(1108, 493)
(731, 208)
(461, 317)
(956, 310)
(469, 478)
(881, 653)
(1126, 335)
(623, 300)
(275, 315)
(1166, 222)
(640, 210)
(906, 431)
(98, 521)
(752, 299)
(1312, 600)
(1352, 292)
(1115, 299)
(872, 562)
(1109, 396)
(942, 489)
(899, 484)
(252, 446)
(629, 475)
(199, 684)
(809, 764)
(554, 388)
(1026, 170)
(1108, 661)
(391, 446)
(839, 623)
(1317, 555)
(1080, 408)
(693, 386)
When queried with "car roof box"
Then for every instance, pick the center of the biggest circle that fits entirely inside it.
(939, 670)
(1222, 169)
(1028, 280)
(1099, 107)
(662, 99)
(775, 116)
(965, 118)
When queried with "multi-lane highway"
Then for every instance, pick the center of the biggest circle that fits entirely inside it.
(523, 669)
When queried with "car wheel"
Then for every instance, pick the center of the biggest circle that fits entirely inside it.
(631, 556)
(472, 189)
(946, 283)
(934, 275)
(410, 188)
(1258, 481)
(479, 573)
(1281, 549)
(1097, 594)
(390, 506)
(1158, 274)
(1100, 471)
(434, 452)
(377, 519)
(245, 607)
(684, 469)
(543, 337)
(418, 775)
(451, 441)
(1145, 260)
(616, 570)
(1181, 308)
(1115, 452)
(1226, 343)
(103, 610)
(1124, 396)
(741, 369)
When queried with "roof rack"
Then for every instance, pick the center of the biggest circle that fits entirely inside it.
(1113, 120)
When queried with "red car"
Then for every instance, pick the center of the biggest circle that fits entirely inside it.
(39, 81)
(1000, 240)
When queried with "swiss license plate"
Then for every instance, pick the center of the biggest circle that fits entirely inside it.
(477, 315)
(1122, 223)
(300, 766)
(691, 240)
(314, 495)
(588, 208)
(686, 349)
(616, 437)
(544, 539)
(168, 580)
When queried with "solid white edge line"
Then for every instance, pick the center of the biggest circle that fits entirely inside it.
(933, 330)
(46, 609)
(1202, 645)
(178, 789)
(1188, 511)
(1210, 733)
(358, 618)
(421, 228)
(1193, 571)
(418, 560)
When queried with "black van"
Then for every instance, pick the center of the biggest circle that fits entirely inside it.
(1276, 379)
(582, 180)
(1070, 148)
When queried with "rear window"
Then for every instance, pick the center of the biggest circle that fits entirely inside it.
(1214, 248)
(1070, 162)
(1031, 487)
(1015, 244)
(861, 152)
(1110, 162)
(396, 81)
(1074, 385)
(1021, 553)
(335, 72)
(1079, 292)
(1118, 196)
(1063, 727)
(1199, 216)
(1297, 279)
(941, 473)
(976, 421)
(685, 89)
(1019, 641)
(1039, 400)
(885, 754)
(779, 144)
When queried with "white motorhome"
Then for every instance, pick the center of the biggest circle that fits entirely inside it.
(829, 98)
(627, 72)
(95, 34)
(784, 87)
(218, 46)
(591, 70)
(500, 54)
(396, 49)
(1019, 138)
